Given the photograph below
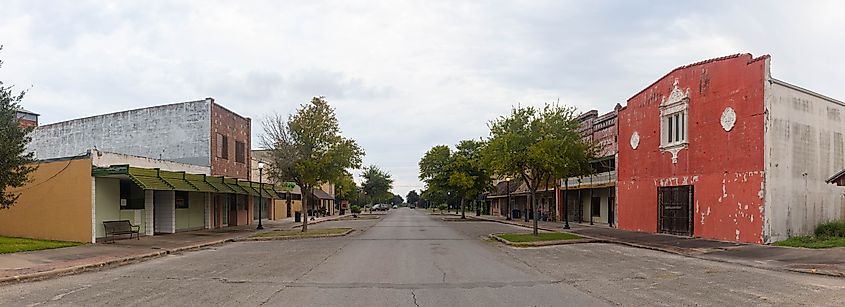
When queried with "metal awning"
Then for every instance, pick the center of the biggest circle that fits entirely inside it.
(233, 184)
(199, 182)
(217, 183)
(247, 186)
(177, 181)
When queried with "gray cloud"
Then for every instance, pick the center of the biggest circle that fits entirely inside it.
(403, 75)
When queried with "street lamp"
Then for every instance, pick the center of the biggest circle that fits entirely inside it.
(508, 212)
(260, 189)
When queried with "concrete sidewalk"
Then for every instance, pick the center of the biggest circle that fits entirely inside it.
(43, 264)
(817, 261)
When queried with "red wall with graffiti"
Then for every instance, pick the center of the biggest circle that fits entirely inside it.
(725, 167)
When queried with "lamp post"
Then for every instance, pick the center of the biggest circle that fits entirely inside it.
(508, 212)
(260, 189)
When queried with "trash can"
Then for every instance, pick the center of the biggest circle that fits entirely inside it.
(515, 213)
(297, 217)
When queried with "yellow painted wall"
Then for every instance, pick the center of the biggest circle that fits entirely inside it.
(280, 208)
(192, 217)
(55, 205)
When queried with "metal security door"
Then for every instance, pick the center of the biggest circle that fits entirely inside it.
(675, 210)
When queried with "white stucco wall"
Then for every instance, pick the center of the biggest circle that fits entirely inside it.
(804, 146)
(178, 132)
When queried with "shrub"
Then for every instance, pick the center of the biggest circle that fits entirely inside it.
(355, 209)
(442, 207)
(831, 229)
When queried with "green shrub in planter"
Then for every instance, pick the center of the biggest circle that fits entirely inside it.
(442, 207)
(355, 210)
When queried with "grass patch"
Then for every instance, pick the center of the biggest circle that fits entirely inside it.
(10, 245)
(812, 242)
(543, 236)
(296, 233)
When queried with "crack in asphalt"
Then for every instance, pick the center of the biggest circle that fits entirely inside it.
(414, 296)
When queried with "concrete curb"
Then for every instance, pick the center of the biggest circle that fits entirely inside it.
(681, 253)
(299, 225)
(542, 243)
(254, 239)
(77, 269)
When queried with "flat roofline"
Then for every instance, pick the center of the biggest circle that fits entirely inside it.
(806, 91)
(124, 111)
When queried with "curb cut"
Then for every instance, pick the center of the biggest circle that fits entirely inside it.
(82, 268)
(254, 239)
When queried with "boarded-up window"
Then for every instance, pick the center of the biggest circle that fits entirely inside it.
(240, 152)
(222, 146)
(182, 200)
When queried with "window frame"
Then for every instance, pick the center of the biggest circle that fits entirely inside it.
(240, 152)
(222, 146)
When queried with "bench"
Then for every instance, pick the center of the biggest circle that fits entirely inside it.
(121, 227)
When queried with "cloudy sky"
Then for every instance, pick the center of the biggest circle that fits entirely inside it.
(403, 75)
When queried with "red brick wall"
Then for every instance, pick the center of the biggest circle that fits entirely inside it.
(725, 168)
(236, 128)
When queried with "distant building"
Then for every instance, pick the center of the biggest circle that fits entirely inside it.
(26, 118)
(719, 149)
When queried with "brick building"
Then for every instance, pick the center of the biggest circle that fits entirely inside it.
(26, 118)
(200, 133)
(592, 198)
(719, 149)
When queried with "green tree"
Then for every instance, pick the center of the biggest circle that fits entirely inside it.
(377, 184)
(345, 187)
(460, 172)
(537, 145)
(15, 163)
(397, 200)
(412, 197)
(308, 148)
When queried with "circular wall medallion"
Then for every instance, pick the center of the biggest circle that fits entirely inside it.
(635, 140)
(728, 119)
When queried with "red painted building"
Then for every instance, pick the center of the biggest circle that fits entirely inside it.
(717, 149)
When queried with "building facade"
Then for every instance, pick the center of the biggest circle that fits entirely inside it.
(719, 149)
(592, 198)
(196, 132)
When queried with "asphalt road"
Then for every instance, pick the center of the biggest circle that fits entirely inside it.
(409, 258)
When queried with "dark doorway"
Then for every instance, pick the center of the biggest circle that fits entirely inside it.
(675, 210)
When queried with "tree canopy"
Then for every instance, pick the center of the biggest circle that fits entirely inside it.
(538, 146)
(377, 184)
(308, 148)
(15, 163)
(412, 197)
(460, 172)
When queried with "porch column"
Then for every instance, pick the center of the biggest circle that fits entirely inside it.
(207, 211)
(149, 210)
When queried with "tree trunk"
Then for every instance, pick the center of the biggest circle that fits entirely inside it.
(305, 208)
(534, 208)
(463, 208)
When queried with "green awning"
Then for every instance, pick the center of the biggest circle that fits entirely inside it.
(266, 190)
(177, 181)
(233, 184)
(218, 183)
(247, 186)
(198, 181)
(148, 179)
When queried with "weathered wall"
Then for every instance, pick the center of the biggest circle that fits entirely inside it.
(106, 159)
(804, 147)
(55, 205)
(725, 167)
(237, 129)
(177, 132)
